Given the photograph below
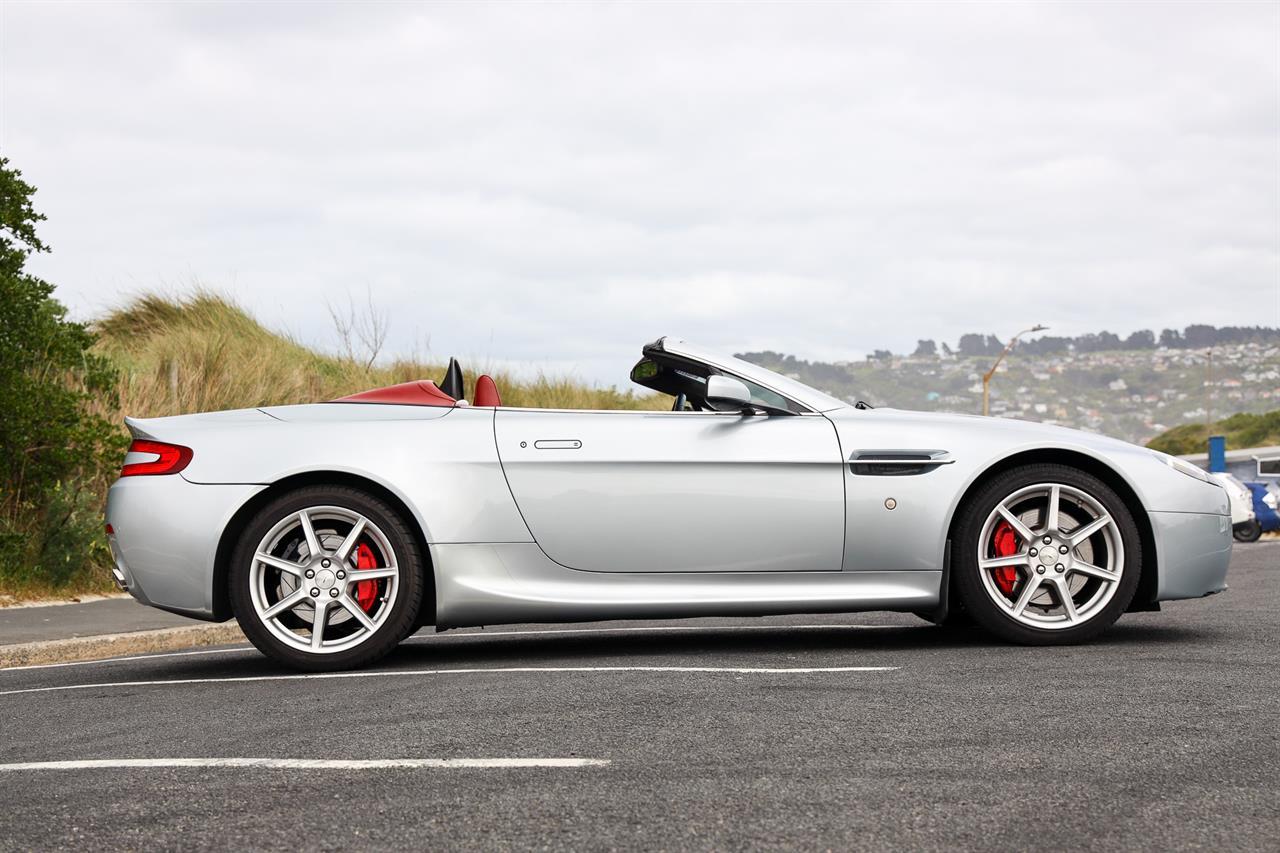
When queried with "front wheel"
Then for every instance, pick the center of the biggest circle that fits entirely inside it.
(326, 578)
(1247, 531)
(1046, 554)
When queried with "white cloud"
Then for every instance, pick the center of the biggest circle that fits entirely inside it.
(562, 183)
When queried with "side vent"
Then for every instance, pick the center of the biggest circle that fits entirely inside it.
(897, 463)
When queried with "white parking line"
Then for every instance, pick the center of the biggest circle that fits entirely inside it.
(458, 635)
(307, 763)
(742, 670)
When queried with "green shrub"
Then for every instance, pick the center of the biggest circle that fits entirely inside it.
(1241, 430)
(52, 439)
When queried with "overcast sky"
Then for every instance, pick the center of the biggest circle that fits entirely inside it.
(557, 184)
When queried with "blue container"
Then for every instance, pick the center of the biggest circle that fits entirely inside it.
(1217, 453)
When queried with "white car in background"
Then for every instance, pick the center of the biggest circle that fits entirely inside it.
(1242, 513)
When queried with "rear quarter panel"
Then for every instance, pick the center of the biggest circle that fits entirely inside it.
(442, 463)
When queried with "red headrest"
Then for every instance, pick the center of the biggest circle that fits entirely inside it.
(486, 392)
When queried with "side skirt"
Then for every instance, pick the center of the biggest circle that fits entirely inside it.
(483, 584)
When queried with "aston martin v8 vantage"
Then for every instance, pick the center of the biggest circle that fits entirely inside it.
(333, 530)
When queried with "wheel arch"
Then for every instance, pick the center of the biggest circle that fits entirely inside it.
(244, 515)
(1144, 597)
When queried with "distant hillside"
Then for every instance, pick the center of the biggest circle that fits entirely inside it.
(1241, 431)
(1196, 336)
(1133, 394)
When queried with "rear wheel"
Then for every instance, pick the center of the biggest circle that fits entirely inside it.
(1046, 554)
(325, 578)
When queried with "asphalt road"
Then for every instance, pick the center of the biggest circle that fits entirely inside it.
(93, 618)
(1160, 736)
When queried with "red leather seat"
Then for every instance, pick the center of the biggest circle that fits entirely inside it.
(486, 392)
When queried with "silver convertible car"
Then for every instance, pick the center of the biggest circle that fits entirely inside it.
(332, 531)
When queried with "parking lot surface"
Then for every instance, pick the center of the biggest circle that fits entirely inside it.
(861, 731)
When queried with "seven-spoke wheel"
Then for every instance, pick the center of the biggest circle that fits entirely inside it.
(1047, 554)
(326, 578)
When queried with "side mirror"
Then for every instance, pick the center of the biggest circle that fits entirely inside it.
(726, 394)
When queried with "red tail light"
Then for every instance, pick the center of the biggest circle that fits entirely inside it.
(172, 458)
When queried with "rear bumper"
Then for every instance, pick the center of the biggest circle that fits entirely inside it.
(165, 534)
(1192, 551)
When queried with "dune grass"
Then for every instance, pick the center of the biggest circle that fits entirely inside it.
(204, 353)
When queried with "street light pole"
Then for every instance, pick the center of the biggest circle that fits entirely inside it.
(986, 377)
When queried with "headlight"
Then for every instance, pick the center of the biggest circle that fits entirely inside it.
(1185, 467)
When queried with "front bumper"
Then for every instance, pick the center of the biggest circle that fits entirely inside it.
(164, 538)
(1192, 553)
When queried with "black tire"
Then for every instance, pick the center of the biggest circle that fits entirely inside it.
(1248, 531)
(400, 622)
(973, 592)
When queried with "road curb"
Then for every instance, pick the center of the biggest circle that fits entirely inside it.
(114, 645)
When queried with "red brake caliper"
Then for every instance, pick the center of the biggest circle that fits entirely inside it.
(1005, 542)
(366, 591)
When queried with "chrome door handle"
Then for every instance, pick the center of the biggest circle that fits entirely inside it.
(557, 444)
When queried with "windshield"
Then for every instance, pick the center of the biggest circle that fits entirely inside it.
(687, 383)
(684, 377)
(675, 367)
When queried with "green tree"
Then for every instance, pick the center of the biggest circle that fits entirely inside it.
(1141, 339)
(52, 444)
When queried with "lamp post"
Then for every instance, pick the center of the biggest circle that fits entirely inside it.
(986, 377)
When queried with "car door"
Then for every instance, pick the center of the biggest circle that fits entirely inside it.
(677, 491)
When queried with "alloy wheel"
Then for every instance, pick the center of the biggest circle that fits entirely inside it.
(324, 579)
(1050, 556)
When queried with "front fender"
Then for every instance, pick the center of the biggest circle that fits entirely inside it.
(912, 535)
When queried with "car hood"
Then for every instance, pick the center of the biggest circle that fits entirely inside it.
(1015, 431)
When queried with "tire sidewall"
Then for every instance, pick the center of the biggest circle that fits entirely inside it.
(977, 601)
(1248, 532)
(404, 611)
